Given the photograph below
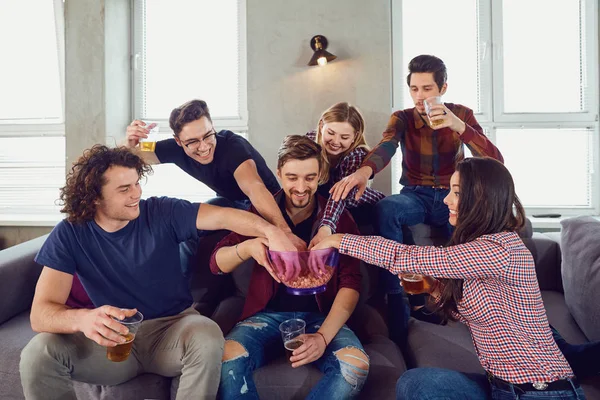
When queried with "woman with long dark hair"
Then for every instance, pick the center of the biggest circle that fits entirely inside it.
(486, 279)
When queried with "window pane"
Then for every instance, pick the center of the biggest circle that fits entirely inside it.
(190, 51)
(32, 169)
(29, 71)
(541, 175)
(543, 57)
(457, 44)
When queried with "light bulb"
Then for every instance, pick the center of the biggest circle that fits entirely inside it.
(322, 61)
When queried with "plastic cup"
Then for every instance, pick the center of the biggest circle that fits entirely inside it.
(428, 103)
(149, 143)
(121, 351)
(290, 330)
(413, 283)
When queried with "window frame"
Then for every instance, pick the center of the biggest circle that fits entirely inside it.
(238, 125)
(41, 127)
(492, 115)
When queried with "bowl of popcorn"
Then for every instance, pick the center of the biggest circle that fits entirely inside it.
(305, 272)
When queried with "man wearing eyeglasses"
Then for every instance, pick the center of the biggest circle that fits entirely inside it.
(224, 161)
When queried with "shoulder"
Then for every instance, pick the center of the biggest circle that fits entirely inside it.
(167, 150)
(155, 206)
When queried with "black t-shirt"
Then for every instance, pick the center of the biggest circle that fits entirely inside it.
(283, 301)
(231, 151)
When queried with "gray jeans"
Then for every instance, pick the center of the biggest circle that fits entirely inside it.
(187, 345)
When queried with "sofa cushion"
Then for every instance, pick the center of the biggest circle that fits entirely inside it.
(18, 277)
(14, 336)
(580, 245)
(443, 346)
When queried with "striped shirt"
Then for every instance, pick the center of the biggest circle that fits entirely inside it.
(346, 166)
(501, 304)
(429, 157)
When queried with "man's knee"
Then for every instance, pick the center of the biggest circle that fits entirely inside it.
(400, 209)
(233, 350)
(204, 338)
(35, 355)
(354, 365)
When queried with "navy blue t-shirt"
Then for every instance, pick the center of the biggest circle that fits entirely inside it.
(231, 151)
(135, 267)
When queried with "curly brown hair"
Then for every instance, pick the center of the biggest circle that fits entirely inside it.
(188, 112)
(86, 178)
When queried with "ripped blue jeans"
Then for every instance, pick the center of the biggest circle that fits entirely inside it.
(259, 335)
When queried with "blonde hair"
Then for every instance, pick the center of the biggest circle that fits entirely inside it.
(341, 112)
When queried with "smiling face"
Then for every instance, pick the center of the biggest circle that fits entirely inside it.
(422, 86)
(120, 198)
(198, 140)
(337, 137)
(453, 198)
(299, 180)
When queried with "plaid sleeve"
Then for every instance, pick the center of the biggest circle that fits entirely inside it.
(481, 258)
(474, 138)
(382, 154)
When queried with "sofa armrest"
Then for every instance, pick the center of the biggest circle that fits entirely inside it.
(547, 256)
(18, 277)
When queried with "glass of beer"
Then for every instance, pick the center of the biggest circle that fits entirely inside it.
(290, 330)
(149, 143)
(121, 351)
(427, 103)
(413, 283)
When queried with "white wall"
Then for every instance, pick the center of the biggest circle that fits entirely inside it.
(285, 96)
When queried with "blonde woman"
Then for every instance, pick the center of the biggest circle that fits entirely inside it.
(341, 134)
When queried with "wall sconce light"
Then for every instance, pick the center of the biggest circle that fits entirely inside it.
(321, 57)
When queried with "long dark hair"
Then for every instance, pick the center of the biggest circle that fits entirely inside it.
(487, 204)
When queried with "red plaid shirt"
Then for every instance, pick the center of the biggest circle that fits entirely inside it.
(501, 305)
(429, 157)
(346, 166)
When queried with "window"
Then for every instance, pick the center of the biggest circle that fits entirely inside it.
(183, 50)
(32, 142)
(532, 86)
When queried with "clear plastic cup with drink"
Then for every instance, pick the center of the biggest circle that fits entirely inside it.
(413, 283)
(149, 143)
(121, 351)
(428, 103)
(290, 330)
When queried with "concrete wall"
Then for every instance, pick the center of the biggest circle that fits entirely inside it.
(287, 97)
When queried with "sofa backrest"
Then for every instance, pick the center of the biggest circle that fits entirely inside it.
(18, 277)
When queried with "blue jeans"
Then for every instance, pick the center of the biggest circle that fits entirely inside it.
(414, 205)
(438, 383)
(259, 335)
(187, 249)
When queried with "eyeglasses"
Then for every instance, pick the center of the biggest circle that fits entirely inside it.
(194, 144)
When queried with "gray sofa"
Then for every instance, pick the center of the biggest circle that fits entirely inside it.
(221, 297)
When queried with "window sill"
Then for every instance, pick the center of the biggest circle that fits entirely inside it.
(30, 220)
(551, 224)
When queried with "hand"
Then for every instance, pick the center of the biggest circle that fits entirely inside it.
(359, 179)
(257, 249)
(439, 112)
(279, 241)
(322, 233)
(298, 243)
(313, 348)
(98, 325)
(330, 241)
(136, 131)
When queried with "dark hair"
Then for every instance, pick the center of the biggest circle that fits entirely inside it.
(299, 147)
(188, 112)
(86, 178)
(487, 198)
(427, 63)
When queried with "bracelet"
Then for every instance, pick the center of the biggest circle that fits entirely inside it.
(323, 336)
(238, 254)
